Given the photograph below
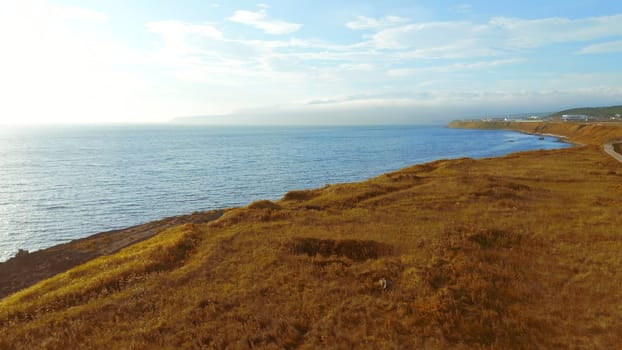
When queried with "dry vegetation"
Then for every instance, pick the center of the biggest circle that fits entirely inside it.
(584, 133)
(26, 269)
(519, 252)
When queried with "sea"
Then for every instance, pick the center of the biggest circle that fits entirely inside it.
(59, 183)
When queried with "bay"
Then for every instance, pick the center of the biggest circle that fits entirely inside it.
(65, 182)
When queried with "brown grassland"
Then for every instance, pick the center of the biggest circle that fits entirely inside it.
(517, 252)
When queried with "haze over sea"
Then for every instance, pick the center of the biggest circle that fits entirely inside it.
(62, 183)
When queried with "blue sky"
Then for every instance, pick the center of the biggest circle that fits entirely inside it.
(304, 62)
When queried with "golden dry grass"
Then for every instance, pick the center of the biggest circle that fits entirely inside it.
(585, 133)
(518, 252)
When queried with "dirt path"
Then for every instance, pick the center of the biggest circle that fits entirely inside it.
(26, 269)
(611, 150)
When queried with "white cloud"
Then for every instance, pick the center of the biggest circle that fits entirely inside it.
(455, 67)
(462, 50)
(363, 22)
(357, 67)
(201, 54)
(500, 34)
(180, 38)
(215, 58)
(522, 33)
(423, 35)
(262, 21)
(607, 47)
(177, 28)
(79, 14)
(274, 72)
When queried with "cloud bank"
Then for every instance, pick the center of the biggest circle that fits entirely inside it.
(247, 60)
(261, 20)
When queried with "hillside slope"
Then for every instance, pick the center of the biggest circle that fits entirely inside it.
(585, 133)
(597, 112)
(28, 268)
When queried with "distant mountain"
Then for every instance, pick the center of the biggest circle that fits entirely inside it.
(595, 112)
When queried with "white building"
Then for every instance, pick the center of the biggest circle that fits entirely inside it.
(574, 117)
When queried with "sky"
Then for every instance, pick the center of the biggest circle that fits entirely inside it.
(304, 62)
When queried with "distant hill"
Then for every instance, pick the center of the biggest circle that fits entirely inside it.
(596, 112)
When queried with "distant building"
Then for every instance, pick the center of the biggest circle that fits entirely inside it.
(574, 117)
(495, 119)
(534, 117)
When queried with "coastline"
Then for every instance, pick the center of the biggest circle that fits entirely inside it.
(309, 158)
(560, 138)
(27, 268)
(526, 243)
(580, 133)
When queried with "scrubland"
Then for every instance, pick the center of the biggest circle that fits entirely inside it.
(516, 252)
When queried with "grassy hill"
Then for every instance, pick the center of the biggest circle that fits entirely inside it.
(518, 252)
(584, 133)
(596, 112)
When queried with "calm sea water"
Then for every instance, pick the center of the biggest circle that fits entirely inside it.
(62, 183)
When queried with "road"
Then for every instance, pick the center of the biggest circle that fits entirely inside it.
(611, 151)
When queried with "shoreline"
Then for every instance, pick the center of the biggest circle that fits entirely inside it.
(27, 268)
(560, 138)
(133, 200)
(511, 240)
(579, 134)
(120, 228)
